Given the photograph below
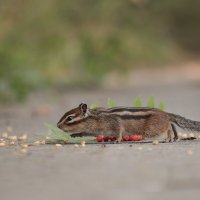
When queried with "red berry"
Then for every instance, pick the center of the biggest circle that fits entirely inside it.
(135, 137)
(105, 138)
(99, 138)
(112, 138)
(125, 138)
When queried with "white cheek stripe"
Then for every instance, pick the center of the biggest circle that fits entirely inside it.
(63, 121)
(73, 115)
(77, 119)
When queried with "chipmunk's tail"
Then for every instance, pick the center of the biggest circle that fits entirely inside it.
(185, 123)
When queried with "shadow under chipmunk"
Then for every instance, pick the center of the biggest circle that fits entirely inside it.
(112, 142)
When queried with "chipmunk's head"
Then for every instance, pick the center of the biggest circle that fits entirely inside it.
(72, 120)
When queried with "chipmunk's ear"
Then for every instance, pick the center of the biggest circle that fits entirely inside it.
(83, 108)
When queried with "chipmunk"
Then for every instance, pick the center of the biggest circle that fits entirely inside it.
(119, 121)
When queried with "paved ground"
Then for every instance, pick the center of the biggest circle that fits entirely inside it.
(114, 172)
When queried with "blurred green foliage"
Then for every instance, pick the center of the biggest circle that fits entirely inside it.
(137, 102)
(111, 103)
(77, 42)
(151, 102)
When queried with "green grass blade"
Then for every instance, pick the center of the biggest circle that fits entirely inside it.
(111, 103)
(93, 105)
(151, 102)
(55, 135)
(138, 102)
(161, 106)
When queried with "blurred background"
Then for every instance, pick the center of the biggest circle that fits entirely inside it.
(55, 54)
(63, 45)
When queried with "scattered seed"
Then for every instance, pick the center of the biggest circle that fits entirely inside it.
(23, 137)
(184, 135)
(155, 142)
(37, 142)
(191, 135)
(24, 145)
(180, 135)
(59, 145)
(83, 143)
(42, 142)
(5, 135)
(2, 144)
(12, 137)
(12, 143)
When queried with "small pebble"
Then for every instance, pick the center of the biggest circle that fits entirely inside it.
(130, 145)
(155, 142)
(140, 148)
(189, 152)
(76, 145)
(150, 149)
(103, 145)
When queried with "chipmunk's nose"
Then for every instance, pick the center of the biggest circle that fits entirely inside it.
(59, 125)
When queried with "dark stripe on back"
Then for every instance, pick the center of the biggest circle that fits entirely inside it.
(133, 117)
(113, 110)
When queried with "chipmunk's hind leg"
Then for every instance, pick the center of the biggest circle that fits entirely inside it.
(175, 132)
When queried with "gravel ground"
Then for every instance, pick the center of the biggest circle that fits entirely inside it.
(95, 172)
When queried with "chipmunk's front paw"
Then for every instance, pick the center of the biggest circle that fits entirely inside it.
(169, 140)
(176, 139)
(118, 141)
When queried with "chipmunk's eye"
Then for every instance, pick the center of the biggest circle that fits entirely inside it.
(69, 118)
